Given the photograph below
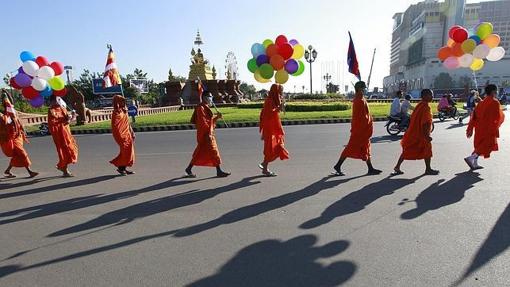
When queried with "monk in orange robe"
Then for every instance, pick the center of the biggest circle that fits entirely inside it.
(206, 152)
(123, 135)
(484, 123)
(272, 131)
(361, 132)
(12, 138)
(416, 143)
(58, 125)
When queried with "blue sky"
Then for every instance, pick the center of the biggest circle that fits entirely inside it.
(156, 35)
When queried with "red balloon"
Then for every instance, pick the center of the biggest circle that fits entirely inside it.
(30, 93)
(453, 29)
(42, 61)
(280, 40)
(277, 62)
(460, 35)
(61, 93)
(286, 51)
(456, 50)
(57, 67)
(13, 84)
(272, 50)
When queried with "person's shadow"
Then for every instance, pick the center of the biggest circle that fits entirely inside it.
(152, 207)
(386, 139)
(441, 194)
(262, 207)
(358, 200)
(280, 263)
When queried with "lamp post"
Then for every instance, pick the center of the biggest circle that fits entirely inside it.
(310, 56)
(327, 78)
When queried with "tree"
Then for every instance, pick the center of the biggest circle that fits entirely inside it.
(465, 81)
(84, 83)
(173, 78)
(443, 81)
(247, 89)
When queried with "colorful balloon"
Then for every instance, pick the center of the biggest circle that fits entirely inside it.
(267, 42)
(280, 40)
(299, 51)
(457, 50)
(300, 70)
(496, 54)
(262, 59)
(56, 83)
(477, 64)
(39, 84)
(484, 30)
(460, 35)
(272, 50)
(259, 78)
(57, 67)
(291, 66)
(13, 84)
(492, 40)
(468, 46)
(26, 56)
(450, 43)
(281, 77)
(23, 80)
(466, 60)
(61, 93)
(29, 93)
(252, 65)
(46, 93)
(42, 61)
(37, 102)
(286, 50)
(451, 63)
(277, 62)
(30, 68)
(45, 73)
(481, 51)
(453, 29)
(266, 71)
(476, 38)
(257, 49)
(293, 42)
(444, 53)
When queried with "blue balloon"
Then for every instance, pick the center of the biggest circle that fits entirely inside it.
(26, 56)
(257, 49)
(262, 59)
(46, 93)
(476, 38)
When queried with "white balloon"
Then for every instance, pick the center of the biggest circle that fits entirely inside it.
(39, 84)
(466, 60)
(45, 73)
(496, 54)
(481, 51)
(30, 68)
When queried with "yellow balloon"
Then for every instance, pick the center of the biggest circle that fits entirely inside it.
(299, 51)
(477, 64)
(492, 40)
(259, 78)
(468, 46)
(281, 76)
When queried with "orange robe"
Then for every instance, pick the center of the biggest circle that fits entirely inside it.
(414, 144)
(206, 153)
(122, 133)
(362, 128)
(486, 120)
(66, 146)
(272, 131)
(12, 137)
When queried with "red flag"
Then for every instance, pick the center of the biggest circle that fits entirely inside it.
(352, 59)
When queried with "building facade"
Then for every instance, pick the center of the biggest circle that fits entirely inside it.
(422, 29)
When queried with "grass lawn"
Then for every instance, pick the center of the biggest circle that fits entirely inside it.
(243, 115)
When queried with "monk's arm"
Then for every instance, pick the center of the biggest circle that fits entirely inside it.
(427, 127)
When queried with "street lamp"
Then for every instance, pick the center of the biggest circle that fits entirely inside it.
(327, 78)
(310, 56)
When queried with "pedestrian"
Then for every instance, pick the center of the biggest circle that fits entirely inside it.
(472, 100)
(206, 153)
(484, 124)
(417, 143)
(270, 127)
(58, 125)
(12, 138)
(124, 136)
(362, 129)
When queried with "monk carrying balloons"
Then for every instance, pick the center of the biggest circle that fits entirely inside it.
(206, 152)
(361, 132)
(12, 137)
(484, 124)
(417, 143)
(272, 131)
(58, 125)
(123, 135)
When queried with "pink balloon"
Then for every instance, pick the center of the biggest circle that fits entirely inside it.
(451, 63)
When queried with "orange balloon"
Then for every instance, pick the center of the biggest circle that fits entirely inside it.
(444, 53)
(450, 43)
(492, 40)
(271, 50)
(277, 62)
(457, 50)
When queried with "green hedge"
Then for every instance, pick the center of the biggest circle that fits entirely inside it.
(303, 107)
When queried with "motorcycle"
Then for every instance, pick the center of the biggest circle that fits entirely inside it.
(444, 115)
(394, 126)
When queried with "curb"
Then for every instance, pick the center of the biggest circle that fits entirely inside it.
(218, 125)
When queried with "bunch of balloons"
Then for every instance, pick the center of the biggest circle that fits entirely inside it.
(280, 59)
(38, 79)
(469, 51)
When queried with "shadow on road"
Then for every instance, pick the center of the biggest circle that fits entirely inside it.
(7, 183)
(358, 200)
(441, 194)
(259, 208)
(495, 244)
(455, 126)
(283, 263)
(152, 207)
(84, 202)
(386, 139)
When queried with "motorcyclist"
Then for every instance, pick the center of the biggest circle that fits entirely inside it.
(405, 108)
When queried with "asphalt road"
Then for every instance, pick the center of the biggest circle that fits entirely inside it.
(301, 228)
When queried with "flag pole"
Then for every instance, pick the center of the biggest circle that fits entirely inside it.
(370, 74)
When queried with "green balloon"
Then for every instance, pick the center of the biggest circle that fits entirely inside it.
(252, 65)
(266, 71)
(484, 30)
(56, 83)
(267, 42)
(300, 69)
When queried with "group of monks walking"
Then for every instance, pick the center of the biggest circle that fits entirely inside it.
(416, 143)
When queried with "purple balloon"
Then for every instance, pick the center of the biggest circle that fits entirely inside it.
(20, 70)
(262, 59)
(293, 42)
(291, 66)
(37, 102)
(23, 80)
